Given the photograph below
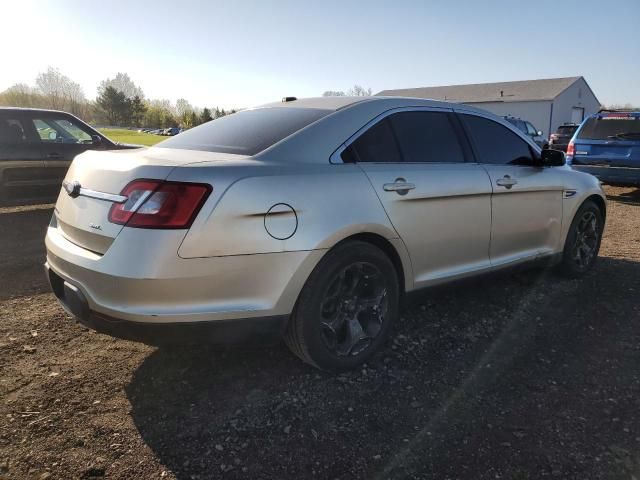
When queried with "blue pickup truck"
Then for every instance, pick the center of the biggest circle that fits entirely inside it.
(607, 145)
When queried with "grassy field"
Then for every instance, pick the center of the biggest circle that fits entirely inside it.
(131, 136)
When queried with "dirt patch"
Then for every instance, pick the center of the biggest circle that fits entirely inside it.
(512, 376)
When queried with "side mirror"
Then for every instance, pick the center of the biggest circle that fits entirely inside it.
(539, 132)
(53, 135)
(96, 139)
(552, 158)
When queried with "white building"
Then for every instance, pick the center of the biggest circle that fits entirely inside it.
(546, 103)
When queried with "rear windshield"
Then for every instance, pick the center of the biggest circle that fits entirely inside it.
(247, 132)
(567, 129)
(603, 128)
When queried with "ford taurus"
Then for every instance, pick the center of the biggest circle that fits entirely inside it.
(310, 219)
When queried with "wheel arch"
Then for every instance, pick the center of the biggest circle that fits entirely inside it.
(600, 203)
(388, 248)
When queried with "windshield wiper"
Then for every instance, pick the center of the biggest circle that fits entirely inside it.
(624, 135)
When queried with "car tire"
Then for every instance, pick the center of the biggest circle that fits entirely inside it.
(346, 308)
(583, 241)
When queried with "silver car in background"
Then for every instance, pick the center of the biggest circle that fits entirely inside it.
(310, 219)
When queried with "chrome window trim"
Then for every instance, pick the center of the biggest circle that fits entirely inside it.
(335, 157)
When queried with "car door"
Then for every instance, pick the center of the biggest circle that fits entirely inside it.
(22, 169)
(62, 137)
(527, 199)
(438, 203)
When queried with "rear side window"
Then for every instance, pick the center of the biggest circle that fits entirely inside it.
(11, 130)
(495, 143)
(247, 132)
(426, 137)
(377, 145)
(611, 127)
(414, 137)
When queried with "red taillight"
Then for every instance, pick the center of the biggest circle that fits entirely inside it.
(571, 149)
(158, 204)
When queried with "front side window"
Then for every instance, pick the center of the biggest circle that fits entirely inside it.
(531, 130)
(60, 130)
(495, 143)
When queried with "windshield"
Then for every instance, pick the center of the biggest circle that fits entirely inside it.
(605, 128)
(247, 132)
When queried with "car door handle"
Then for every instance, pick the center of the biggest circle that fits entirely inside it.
(506, 182)
(400, 186)
(54, 156)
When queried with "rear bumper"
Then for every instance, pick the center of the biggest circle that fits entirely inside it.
(141, 283)
(559, 146)
(612, 175)
(248, 330)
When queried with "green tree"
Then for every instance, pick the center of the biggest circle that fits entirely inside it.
(205, 116)
(138, 109)
(114, 105)
(194, 119)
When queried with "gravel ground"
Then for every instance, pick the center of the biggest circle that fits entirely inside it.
(513, 376)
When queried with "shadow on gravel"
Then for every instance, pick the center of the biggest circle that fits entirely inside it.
(22, 251)
(631, 197)
(510, 376)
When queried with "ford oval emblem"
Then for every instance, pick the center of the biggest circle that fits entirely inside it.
(72, 188)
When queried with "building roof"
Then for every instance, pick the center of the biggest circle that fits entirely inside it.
(520, 91)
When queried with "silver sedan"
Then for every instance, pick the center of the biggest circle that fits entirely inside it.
(311, 220)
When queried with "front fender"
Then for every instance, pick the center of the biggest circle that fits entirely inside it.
(585, 186)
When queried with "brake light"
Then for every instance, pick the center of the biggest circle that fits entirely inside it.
(159, 204)
(571, 149)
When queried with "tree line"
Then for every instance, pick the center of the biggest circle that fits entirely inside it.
(120, 102)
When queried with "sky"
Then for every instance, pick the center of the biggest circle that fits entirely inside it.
(241, 53)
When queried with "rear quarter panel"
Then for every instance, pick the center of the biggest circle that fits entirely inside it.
(331, 202)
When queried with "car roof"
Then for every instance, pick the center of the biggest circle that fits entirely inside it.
(28, 109)
(383, 103)
(617, 113)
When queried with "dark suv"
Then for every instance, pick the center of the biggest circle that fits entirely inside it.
(560, 139)
(36, 149)
(607, 145)
(528, 129)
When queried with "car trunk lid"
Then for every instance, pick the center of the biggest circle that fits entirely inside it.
(84, 218)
